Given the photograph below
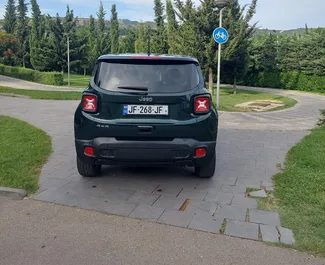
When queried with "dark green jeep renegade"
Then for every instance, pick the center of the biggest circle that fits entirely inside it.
(146, 109)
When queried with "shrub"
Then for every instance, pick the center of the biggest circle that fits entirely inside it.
(47, 78)
(287, 80)
(9, 48)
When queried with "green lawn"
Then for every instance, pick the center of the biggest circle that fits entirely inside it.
(300, 193)
(37, 94)
(24, 150)
(228, 100)
(77, 81)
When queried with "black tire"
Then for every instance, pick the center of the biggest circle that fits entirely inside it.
(88, 170)
(207, 170)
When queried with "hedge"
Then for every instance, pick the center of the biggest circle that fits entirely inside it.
(47, 78)
(286, 80)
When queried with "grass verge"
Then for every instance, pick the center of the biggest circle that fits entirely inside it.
(24, 150)
(300, 193)
(38, 94)
(77, 81)
(228, 100)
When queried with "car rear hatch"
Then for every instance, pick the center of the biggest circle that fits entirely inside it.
(146, 98)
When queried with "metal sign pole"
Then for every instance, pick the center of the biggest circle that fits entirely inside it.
(219, 63)
(68, 44)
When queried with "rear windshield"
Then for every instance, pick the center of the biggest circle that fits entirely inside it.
(153, 76)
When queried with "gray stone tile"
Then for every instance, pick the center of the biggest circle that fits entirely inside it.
(219, 198)
(198, 207)
(143, 198)
(169, 202)
(147, 212)
(258, 194)
(269, 233)
(234, 189)
(209, 186)
(264, 217)
(242, 230)
(193, 194)
(241, 201)
(286, 236)
(231, 212)
(119, 195)
(53, 183)
(120, 208)
(249, 183)
(50, 195)
(168, 189)
(177, 218)
(206, 222)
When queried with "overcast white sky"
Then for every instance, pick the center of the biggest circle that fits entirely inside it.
(271, 14)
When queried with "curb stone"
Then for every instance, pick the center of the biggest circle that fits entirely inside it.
(12, 193)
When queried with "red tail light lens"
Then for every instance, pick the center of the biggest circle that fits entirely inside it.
(89, 151)
(201, 105)
(90, 103)
(200, 152)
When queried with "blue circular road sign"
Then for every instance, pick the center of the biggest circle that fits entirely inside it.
(220, 35)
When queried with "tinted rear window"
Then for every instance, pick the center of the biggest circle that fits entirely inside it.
(158, 76)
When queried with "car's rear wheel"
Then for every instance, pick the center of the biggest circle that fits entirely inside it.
(207, 170)
(88, 170)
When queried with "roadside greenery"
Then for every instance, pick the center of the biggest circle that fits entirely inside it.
(273, 59)
(47, 78)
(24, 151)
(300, 192)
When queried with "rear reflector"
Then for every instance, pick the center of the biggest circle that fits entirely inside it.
(200, 152)
(89, 103)
(201, 105)
(89, 151)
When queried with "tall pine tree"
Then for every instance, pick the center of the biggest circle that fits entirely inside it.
(102, 36)
(10, 17)
(21, 31)
(172, 28)
(114, 31)
(159, 40)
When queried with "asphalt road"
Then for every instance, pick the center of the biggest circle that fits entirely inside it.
(38, 233)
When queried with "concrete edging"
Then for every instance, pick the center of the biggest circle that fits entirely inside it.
(12, 193)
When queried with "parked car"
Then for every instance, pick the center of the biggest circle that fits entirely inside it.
(146, 109)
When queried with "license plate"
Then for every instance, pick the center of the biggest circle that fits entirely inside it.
(145, 110)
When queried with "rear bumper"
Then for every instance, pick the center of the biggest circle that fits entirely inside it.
(111, 151)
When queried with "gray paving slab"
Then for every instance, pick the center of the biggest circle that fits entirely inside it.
(168, 189)
(264, 217)
(197, 206)
(242, 230)
(143, 198)
(169, 202)
(269, 233)
(177, 218)
(231, 212)
(237, 189)
(150, 213)
(249, 182)
(258, 194)
(241, 201)
(286, 236)
(193, 194)
(219, 198)
(207, 223)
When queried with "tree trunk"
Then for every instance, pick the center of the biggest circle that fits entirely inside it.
(85, 71)
(210, 80)
(235, 84)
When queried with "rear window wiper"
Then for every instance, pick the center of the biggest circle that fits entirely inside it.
(137, 88)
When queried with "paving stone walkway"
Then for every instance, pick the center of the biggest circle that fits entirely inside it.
(250, 146)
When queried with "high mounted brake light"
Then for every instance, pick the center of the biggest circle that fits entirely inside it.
(201, 104)
(89, 103)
